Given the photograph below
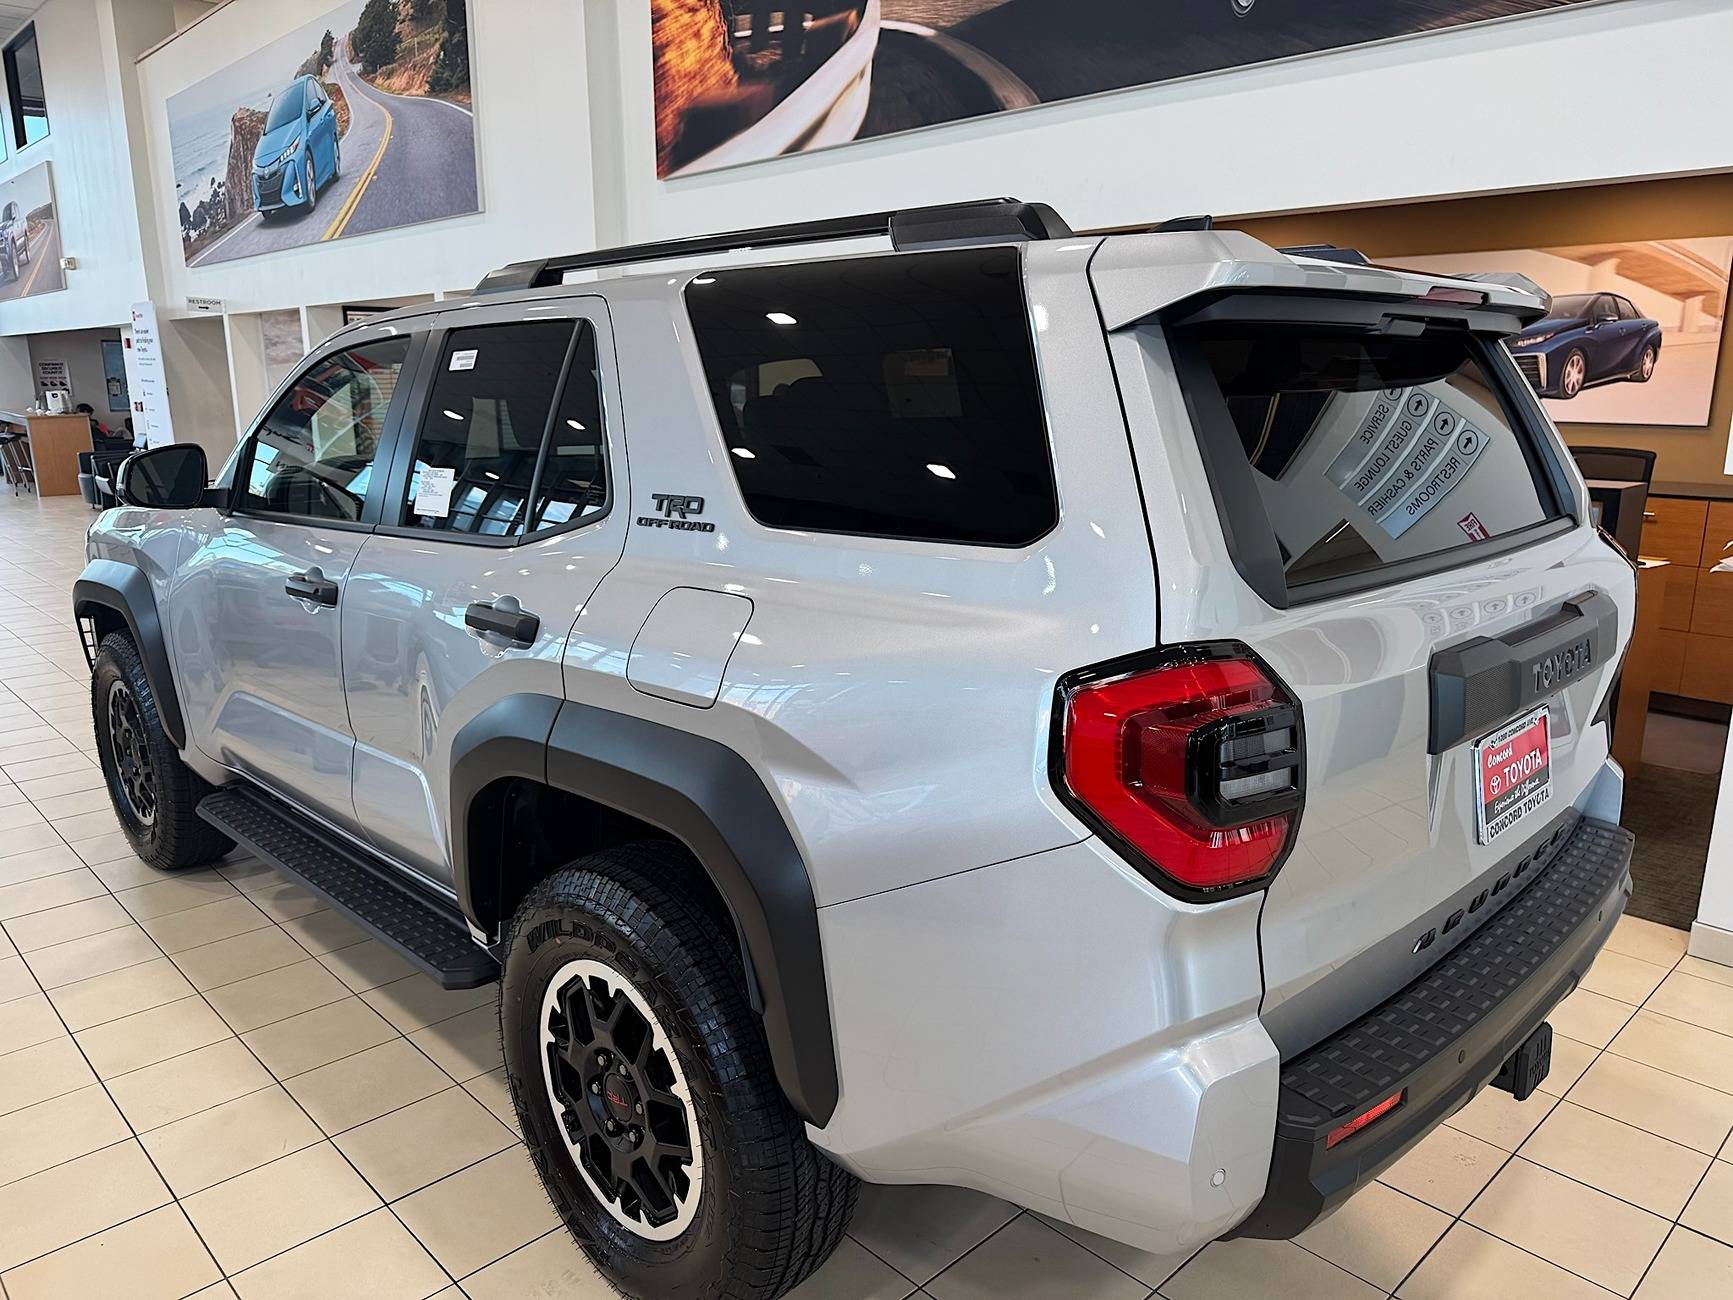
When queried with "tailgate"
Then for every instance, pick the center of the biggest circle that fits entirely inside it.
(1396, 532)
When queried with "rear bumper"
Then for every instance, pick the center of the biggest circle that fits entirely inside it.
(1444, 1037)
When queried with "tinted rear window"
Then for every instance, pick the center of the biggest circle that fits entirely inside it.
(1366, 451)
(890, 397)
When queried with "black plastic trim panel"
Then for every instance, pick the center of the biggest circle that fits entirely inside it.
(1443, 1037)
(426, 929)
(109, 584)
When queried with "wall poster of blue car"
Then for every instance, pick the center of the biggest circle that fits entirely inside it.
(359, 121)
(1634, 330)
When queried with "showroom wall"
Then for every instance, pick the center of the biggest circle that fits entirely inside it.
(1668, 209)
(81, 350)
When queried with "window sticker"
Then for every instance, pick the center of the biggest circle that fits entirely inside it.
(433, 489)
(463, 359)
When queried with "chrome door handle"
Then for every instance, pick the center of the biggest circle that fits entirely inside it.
(503, 617)
(312, 585)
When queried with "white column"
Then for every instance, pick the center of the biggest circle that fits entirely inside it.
(1712, 935)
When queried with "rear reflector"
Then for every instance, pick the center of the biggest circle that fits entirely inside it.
(1353, 1126)
(1192, 765)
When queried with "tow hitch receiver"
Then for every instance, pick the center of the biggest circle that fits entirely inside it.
(1527, 1069)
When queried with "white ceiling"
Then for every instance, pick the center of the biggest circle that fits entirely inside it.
(14, 12)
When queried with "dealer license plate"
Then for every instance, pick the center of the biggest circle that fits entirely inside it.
(1513, 774)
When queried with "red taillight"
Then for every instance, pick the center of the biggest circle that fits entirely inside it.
(1353, 1126)
(1194, 764)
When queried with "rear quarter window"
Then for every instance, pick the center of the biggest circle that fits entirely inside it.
(889, 397)
(1371, 457)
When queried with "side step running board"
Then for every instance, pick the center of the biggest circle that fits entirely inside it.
(426, 929)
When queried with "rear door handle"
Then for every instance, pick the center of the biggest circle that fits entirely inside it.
(503, 617)
(312, 585)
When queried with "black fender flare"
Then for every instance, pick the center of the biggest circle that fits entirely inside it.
(124, 589)
(710, 799)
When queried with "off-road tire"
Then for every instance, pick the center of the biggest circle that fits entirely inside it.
(176, 837)
(771, 1207)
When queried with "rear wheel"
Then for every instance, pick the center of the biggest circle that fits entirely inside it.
(1646, 364)
(1574, 375)
(155, 794)
(644, 1089)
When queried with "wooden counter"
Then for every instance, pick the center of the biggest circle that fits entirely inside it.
(55, 441)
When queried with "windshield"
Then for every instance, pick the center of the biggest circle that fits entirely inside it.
(287, 108)
(1572, 304)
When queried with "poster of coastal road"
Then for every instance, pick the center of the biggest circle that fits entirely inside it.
(357, 122)
(742, 80)
(29, 236)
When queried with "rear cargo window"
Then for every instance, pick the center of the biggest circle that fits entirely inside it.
(1370, 456)
(888, 397)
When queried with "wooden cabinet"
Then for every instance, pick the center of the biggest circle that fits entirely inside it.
(1717, 533)
(1694, 656)
(1673, 529)
(1679, 597)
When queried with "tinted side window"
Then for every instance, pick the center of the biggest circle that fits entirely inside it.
(1626, 310)
(574, 471)
(313, 455)
(891, 396)
(486, 420)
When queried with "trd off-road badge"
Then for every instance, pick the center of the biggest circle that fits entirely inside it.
(676, 511)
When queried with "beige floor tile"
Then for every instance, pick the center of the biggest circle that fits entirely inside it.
(1264, 1270)
(374, 1257)
(156, 1256)
(1700, 1055)
(1588, 1232)
(59, 1206)
(367, 965)
(1379, 1235)
(120, 993)
(125, 873)
(1705, 970)
(195, 927)
(318, 1037)
(48, 892)
(1569, 1059)
(493, 1091)
(53, 1132)
(1471, 1265)
(62, 924)
(16, 979)
(26, 773)
(1447, 1169)
(276, 995)
(1689, 1267)
(1632, 1165)
(27, 1021)
(55, 860)
(38, 1073)
(76, 801)
(1711, 1209)
(1626, 979)
(417, 1002)
(203, 1150)
(285, 901)
(249, 875)
(1027, 1258)
(85, 776)
(1149, 1268)
(30, 839)
(228, 961)
(13, 815)
(93, 955)
(367, 1085)
(184, 1085)
(553, 1268)
(1590, 1018)
(921, 1231)
(122, 1046)
(1661, 944)
(1675, 1108)
(113, 847)
(322, 932)
(464, 1046)
(87, 825)
(480, 1214)
(408, 1149)
(175, 894)
(1500, 1119)
(1704, 1003)
(267, 1210)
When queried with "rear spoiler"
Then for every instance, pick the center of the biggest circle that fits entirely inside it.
(1138, 276)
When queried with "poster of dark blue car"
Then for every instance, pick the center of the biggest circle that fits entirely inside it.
(738, 81)
(359, 121)
(1634, 329)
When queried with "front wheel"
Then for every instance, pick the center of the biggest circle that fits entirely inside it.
(312, 185)
(644, 1089)
(1574, 375)
(155, 794)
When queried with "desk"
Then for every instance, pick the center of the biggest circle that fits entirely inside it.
(55, 441)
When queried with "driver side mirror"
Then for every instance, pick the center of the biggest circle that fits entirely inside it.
(1605, 318)
(163, 478)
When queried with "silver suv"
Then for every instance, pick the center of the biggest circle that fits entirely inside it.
(1120, 723)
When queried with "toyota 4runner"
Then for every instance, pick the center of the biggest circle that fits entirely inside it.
(1120, 723)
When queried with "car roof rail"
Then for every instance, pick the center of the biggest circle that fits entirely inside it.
(1328, 253)
(947, 225)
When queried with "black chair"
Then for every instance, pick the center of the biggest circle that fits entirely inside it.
(1621, 464)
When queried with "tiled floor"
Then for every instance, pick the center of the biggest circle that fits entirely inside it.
(207, 1082)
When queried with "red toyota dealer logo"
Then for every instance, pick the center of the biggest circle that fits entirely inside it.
(1470, 524)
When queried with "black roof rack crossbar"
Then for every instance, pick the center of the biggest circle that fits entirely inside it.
(948, 225)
